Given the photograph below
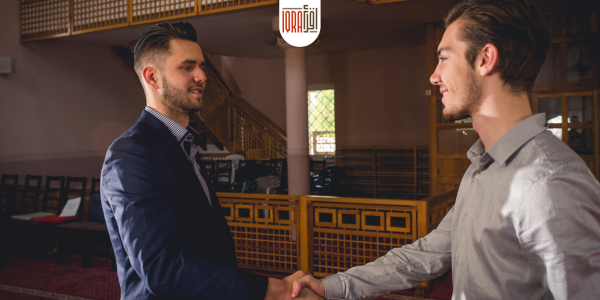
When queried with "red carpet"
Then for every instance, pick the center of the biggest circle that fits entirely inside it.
(97, 282)
(100, 283)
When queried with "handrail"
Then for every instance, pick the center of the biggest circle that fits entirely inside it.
(257, 196)
(237, 124)
(252, 135)
(259, 117)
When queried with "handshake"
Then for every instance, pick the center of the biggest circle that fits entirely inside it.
(299, 286)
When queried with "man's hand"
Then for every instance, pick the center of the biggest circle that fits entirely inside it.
(307, 294)
(282, 289)
(307, 281)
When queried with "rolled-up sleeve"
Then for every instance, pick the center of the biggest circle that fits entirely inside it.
(399, 269)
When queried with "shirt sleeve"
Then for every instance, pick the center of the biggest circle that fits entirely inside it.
(399, 269)
(151, 237)
(558, 226)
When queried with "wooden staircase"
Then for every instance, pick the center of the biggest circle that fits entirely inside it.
(233, 124)
(228, 121)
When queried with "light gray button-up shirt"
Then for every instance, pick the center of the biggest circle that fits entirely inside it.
(526, 225)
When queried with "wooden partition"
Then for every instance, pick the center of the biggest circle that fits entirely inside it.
(385, 172)
(347, 232)
(265, 229)
(325, 235)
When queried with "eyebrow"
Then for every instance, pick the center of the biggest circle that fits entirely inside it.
(442, 49)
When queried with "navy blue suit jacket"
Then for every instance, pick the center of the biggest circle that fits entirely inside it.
(168, 240)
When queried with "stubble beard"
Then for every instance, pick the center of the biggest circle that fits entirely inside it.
(176, 100)
(470, 102)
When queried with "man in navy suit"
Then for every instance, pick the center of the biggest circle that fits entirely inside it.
(169, 235)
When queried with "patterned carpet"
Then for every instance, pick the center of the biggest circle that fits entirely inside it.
(25, 279)
(97, 282)
(8, 292)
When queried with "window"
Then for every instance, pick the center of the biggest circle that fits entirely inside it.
(321, 122)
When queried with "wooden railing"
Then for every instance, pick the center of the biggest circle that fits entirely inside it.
(44, 19)
(325, 235)
(237, 124)
(255, 135)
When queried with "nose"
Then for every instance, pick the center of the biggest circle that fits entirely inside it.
(435, 78)
(199, 76)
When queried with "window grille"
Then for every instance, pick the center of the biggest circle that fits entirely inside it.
(321, 122)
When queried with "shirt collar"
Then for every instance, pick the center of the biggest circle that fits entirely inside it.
(512, 140)
(177, 130)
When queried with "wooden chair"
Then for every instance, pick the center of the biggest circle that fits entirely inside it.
(223, 175)
(95, 186)
(8, 194)
(53, 194)
(270, 163)
(246, 162)
(279, 164)
(30, 237)
(75, 186)
(316, 166)
(209, 168)
(67, 232)
(49, 228)
(31, 194)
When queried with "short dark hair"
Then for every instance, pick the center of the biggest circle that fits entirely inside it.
(153, 44)
(517, 29)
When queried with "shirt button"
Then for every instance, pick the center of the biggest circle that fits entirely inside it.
(477, 176)
(465, 218)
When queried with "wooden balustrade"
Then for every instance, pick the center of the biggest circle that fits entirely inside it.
(240, 127)
(325, 235)
(255, 135)
(45, 19)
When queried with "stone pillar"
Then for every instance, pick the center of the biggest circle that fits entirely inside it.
(296, 96)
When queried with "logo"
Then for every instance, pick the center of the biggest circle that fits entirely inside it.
(299, 21)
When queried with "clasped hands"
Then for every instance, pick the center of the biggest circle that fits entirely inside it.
(298, 286)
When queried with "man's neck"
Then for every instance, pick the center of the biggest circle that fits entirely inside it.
(180, 118)
(498, 113)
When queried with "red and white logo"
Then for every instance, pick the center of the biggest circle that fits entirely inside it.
(299, 21)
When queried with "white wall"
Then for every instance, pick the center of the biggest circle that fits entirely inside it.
(63, 104)
(380, 94)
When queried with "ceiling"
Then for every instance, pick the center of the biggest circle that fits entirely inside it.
(348, 26)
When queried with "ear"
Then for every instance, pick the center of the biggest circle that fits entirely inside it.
(150, 76)
(488, 59)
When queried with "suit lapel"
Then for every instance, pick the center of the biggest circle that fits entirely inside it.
(169, 145)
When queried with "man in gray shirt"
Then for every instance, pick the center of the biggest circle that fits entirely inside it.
(526, 223)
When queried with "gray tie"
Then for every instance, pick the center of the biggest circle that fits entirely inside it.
(191, 152)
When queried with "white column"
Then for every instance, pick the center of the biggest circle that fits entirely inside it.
(296, 96)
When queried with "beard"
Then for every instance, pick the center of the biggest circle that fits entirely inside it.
(176, 99)
(467, 100)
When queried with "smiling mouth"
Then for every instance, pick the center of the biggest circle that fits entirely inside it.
(196, 90)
